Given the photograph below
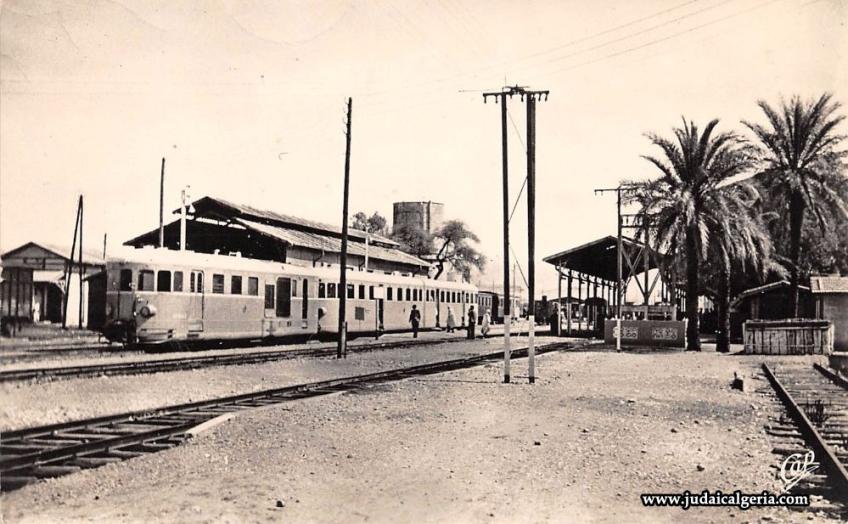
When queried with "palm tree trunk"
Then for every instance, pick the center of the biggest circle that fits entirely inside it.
(723, 334)
(693, 340)
(797, 205)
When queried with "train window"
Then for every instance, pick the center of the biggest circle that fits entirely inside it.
(126, 280)
(252, 286)
(294, 287)
(284, 297)
(163, 281)
(441, 296)
(145, 280)
(217, 283)
(331, 290)
(191, 282)
(269, 296)
(351, 291)
(362, 291)
(304, 308)
(235, 285)
(322, 290)
(371, 292)
(178, 280)
(408, 294)
(200, 282)
(389, 293)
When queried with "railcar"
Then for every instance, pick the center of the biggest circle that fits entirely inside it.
(159, 295)
(494, 303)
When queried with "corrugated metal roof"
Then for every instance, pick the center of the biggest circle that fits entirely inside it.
(331, 244)
(279, 218)
(28, 254)
(829, 284)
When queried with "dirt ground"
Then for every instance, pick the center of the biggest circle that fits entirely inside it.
(25, 404)
(595, 431)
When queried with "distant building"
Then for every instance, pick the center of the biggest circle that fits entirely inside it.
(33, 285)
(831, 298)
(219, 226)
(424, 215)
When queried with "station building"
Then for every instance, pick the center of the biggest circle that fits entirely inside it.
(215, 225)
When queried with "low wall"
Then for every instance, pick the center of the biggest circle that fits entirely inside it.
(788, 337)
(667, 333)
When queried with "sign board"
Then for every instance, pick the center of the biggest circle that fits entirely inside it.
(666, 333)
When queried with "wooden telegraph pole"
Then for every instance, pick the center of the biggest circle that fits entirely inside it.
(502, 95)
(70, 267)
(162, 205)
(342, 344)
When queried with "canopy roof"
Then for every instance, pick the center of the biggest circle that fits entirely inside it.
(599, 258)
(48, 257)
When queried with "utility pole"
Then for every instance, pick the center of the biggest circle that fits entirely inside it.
(342, 345)
(532, 96)
(619, 287)
(70, 269)
(184, 197)
(502, 95)
(162, 206)
(80, 262)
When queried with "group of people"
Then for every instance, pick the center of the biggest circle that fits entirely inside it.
(415, 320)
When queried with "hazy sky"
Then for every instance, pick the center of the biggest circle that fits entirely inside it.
(246, 101)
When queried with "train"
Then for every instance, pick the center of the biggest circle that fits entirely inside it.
(156, 296)
(494, 303)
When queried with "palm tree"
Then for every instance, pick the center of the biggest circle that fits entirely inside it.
(738, 237)
(797, 158)
(687, 199)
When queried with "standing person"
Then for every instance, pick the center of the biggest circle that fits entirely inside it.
(472, 323)
(415, 320)
(484, 326)
(451, 320)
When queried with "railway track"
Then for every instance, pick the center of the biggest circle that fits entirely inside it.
(28, 455)
(814, 418)
(201, 361)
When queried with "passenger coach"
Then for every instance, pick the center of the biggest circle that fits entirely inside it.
(160, 295)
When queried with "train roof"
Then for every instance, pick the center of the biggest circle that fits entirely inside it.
(160, 257)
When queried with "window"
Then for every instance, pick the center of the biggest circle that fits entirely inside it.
(125, 280)
(235, 285)
(371, 292)
(331, 290)
(145, 280)
(351, 290)
(294, 287)
(304, 311)
(441, 296)
(178, 280)
(253, 286)
(191, 284)
(163, 281)
(408, 294)
(217, 283)
(284, 293)
(269, 296)
(389, 293)
(361, 291)
(322, 290)
(200, 282)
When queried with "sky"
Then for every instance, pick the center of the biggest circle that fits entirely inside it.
(245, 99)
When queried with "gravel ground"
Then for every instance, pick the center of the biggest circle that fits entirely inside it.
(597, 429)
(31, 404)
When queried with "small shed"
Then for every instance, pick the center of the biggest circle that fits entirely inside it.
(35, 282)
(767, 302)
(830, 294)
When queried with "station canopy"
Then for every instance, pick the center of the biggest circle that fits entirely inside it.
(599, 258)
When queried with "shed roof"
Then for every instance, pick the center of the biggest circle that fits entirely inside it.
(331, 244)
(45, 256)
(828, 285)
(760, 290)
(597, 258)
(219, 208)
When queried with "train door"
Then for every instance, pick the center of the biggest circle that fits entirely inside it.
(196, 303)
(284, 297)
